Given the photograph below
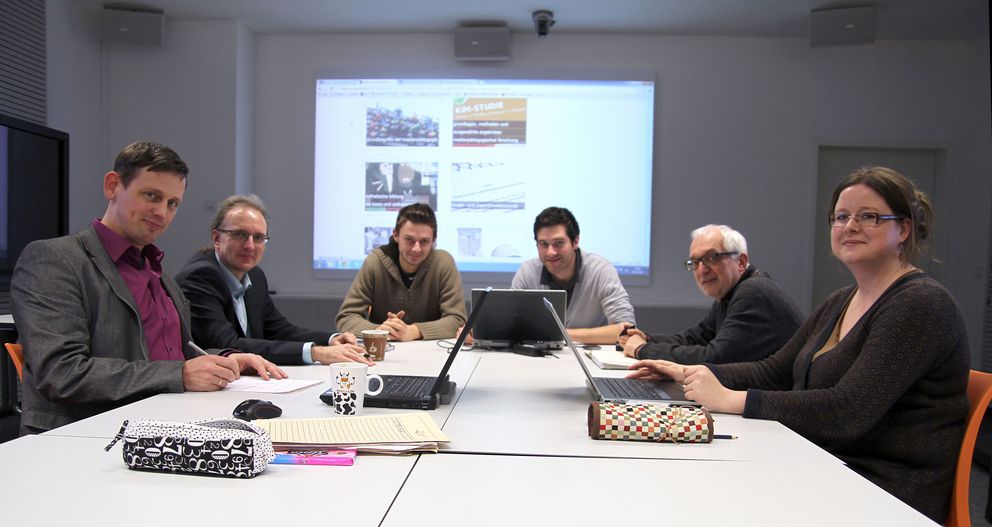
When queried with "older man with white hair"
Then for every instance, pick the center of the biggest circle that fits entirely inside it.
(751, 316)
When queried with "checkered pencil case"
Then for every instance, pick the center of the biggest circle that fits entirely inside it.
(650, 422)
(216, 447)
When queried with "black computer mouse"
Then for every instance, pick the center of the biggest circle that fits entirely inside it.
(251, 409)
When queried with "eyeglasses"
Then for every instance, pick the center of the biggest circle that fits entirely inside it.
(710, 260)
(865, 219)
(242, 236)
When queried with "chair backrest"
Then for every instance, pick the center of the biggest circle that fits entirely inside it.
(16, 353)
(979, 396)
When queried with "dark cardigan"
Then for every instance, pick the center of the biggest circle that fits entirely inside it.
(752, 321)
(890, 400)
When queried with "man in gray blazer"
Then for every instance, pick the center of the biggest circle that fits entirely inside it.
(100, 322)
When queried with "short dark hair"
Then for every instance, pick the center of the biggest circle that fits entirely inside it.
(146, 154)
(417, 213)
(901, 195)
(552, 216)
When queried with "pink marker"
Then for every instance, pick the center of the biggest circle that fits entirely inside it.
(316, 457)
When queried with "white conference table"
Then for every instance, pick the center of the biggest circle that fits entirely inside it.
(482, 490)
(538, 406)
(520, 454)
(61, 480)
(421, 358)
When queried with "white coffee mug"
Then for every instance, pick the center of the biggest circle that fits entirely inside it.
(350, 382)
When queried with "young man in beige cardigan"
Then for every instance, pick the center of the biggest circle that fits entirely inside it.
(407, 287)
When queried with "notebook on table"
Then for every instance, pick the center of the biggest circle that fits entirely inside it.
(610, 359)
(608, 389)
(416, 392)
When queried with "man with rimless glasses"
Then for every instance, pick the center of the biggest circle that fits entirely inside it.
(229, 295)
(751, 316)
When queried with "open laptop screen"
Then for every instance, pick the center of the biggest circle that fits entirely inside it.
(517, 316)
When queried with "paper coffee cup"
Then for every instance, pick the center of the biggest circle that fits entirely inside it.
(375, 341)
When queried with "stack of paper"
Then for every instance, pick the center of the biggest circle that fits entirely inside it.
(381, 434)
(609, 359)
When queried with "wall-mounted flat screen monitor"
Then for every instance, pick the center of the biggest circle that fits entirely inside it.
(487, 150)
(517, 317)
(34, 165)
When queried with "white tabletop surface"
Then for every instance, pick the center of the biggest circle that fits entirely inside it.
(520, 456)
(421, 358)
(538, 406)
(52, 480)
(484, 490)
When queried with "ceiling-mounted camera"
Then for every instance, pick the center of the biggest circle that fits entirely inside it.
(543, 20)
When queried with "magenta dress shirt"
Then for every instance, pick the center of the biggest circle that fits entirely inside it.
(142, 272)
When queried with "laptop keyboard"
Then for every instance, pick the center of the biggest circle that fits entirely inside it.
(405, 386)
(627, 388)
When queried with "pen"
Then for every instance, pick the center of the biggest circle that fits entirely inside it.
(196, 348)
(723, 436)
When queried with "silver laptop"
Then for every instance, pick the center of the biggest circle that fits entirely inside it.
(620, 389)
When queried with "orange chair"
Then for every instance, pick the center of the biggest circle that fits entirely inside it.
(979, 396)
(16, 353)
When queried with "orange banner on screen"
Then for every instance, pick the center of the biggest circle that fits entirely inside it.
(489, 121)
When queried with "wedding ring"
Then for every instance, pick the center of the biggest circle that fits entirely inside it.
(220, 382)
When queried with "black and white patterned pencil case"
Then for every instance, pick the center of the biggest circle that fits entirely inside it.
(216, 447)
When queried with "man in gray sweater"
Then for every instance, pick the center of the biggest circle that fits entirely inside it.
(751, 316)
(598, 305)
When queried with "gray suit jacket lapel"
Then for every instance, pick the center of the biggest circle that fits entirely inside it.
(98, 254)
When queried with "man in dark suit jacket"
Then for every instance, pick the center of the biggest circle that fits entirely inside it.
(100, 322)
(229, 295)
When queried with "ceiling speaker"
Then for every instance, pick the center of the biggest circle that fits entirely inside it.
(132, 26)
(842, 26)
(482, 43)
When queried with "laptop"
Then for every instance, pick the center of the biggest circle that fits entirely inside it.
(608, 389)
(415, 392)
(516, 320)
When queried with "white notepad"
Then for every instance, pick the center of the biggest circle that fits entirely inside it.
(610, 359)
(256, 384)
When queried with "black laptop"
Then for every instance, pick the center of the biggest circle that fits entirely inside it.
(419, 393)
(620, 389)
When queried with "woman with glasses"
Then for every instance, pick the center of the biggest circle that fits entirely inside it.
(878, 373)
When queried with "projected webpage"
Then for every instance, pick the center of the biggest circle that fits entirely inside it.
(487, 155)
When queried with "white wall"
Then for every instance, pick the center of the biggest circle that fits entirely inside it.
(245, 111)
(74, 82)
(194, 94)
(739, 121)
